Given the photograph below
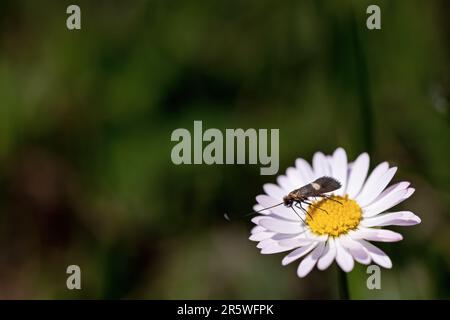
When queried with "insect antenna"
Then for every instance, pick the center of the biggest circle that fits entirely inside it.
(227, 217)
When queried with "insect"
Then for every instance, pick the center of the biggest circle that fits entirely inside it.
(296, 198)
(317, 188)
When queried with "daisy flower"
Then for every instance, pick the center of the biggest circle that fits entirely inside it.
(338, 227)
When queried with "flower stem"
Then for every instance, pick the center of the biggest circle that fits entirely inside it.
(343, 285)
(363, 86)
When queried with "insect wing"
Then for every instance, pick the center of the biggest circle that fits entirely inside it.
(327, 184)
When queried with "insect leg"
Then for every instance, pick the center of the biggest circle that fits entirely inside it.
(299, 205)
(298, 214)
(314, 206)
(330, 198)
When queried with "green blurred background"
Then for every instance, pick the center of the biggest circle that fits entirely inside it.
(86, 117)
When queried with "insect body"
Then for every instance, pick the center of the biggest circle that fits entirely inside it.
(317, 188)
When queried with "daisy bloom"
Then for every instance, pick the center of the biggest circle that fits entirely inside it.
(338, 227)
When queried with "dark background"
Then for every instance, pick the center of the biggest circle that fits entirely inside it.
(86, 117)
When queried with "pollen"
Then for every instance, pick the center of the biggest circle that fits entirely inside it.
(335, 216)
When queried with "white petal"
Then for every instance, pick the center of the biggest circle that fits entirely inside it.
(358, 175)
(303, 239)
(400, 218)
(409, 193)
(339, 169)
(377, 187)
(375, 235)
(393, 188)
(377, 255)
(281, 226)
(305, 170)
(328, 255)
(320, 165)
(258, 207)
(298, 242)
(266, 243)
(343, 258)
(273, 241)
(298, 253)
(274, 248)
(274, 191)
(310, 261)
(284, 236)
(371, 182)
(261, 236)
(294, 176)
(355, 249)
(267, 201)
(285, 183)
(280, 210)
(257, 229)
(257, 219)
(385, 203)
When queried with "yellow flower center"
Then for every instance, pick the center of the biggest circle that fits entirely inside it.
(328, 216)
